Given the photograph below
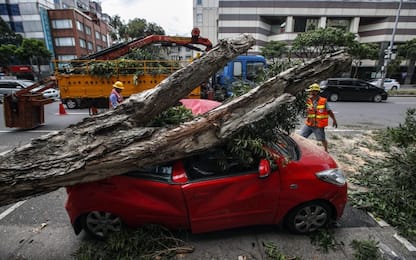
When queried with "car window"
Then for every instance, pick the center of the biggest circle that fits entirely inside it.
(332, 82)
(217, 162)
(346, 82)
(159, 173)
(286, 146)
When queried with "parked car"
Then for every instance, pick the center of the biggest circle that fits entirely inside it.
(10, 86)
(335, 89)
(214, 190)
(389, 84)
(48, 93)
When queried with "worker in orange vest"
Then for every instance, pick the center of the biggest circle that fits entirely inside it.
(318, 112)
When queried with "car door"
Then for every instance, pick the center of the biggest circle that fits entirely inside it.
(230, 197)
(347, 89)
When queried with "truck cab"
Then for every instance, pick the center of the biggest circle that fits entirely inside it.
(244, 68)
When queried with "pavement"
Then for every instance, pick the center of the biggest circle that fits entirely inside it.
(58, 241)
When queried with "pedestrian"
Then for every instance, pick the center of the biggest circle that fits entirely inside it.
(115, 97)
(318, 112)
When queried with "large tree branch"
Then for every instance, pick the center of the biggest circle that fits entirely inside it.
(114, 143)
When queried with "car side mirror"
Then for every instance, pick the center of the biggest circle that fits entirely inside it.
(264, 168)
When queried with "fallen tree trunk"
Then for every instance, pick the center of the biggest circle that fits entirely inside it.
(115, 142)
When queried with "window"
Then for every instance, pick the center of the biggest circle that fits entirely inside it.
(82, 43)
(98, 35)
(32, 26)
(254, 69)
(14, 9)
(199, 2)
(237, 71)
(303, 24)
(28, 8)
(62, 24)
(104, 38)
(65, 41)
(99, 48)
(199, 18)
(87, 30)
(342, 24)
(17, 26)
(80, 26)
(218, 162)
(66, 57)
(90, 46)
(161, 173)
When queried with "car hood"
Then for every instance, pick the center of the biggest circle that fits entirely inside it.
(312, 154)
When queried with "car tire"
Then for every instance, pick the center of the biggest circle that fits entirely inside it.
(100, 224)
(71, 103)
(394, 88)
(334, 97)
(308, 217)
(377, 98)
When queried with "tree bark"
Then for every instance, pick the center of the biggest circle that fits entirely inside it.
(116, 142)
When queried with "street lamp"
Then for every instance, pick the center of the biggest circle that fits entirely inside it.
(388, 51)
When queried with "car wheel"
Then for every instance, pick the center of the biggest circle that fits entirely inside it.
(394, 88)
(377, 98)
(71, 104)
(100, 224)
(333, 97)
(308, 217)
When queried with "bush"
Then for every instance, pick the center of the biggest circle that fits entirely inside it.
(391, 183)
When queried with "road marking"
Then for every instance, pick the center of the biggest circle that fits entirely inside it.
(11, 209)
(28, 131)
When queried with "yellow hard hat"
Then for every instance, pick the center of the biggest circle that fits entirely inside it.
(119, 85)
(314, 87)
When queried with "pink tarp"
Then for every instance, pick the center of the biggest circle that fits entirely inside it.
(199, 106)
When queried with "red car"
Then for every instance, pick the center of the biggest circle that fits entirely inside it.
(214, 191)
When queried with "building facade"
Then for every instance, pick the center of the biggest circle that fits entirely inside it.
(69, 28)
(372, 20)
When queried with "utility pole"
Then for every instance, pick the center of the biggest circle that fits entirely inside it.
(388, 52)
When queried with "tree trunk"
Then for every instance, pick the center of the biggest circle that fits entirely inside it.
(116, 142)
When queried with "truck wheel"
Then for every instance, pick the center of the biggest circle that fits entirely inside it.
(71, 104)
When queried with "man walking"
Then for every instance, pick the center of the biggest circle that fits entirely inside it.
(318, 112)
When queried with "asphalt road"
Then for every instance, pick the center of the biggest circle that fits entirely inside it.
(39, 228)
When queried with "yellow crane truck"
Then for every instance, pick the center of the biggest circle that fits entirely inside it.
(81, 86)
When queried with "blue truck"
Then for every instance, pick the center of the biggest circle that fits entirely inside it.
(244, 68)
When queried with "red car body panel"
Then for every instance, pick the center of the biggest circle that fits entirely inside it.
(213, 203)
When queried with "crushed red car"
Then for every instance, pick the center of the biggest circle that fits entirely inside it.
(214, 191)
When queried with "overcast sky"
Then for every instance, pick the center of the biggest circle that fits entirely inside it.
(174, 16)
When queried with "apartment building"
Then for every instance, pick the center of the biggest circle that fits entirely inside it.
(278, 20)
(69, 28)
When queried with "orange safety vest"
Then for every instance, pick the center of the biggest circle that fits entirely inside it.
(317, 116)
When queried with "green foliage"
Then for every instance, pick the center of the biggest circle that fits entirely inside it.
(135, 28)
(408, 49)
(366, 249)
(314, 43)
(172, 116)
(7, 54)
(148, 242)
(325, 240)
(274, 50)
(273, 252)
(360, 51)
(391, 183)
(7, 36)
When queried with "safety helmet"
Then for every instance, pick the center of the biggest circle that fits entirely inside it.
(119, 85)
(314, 87)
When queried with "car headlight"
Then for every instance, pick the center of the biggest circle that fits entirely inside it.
(334, 176)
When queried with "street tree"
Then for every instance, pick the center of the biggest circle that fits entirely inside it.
(121, 140)
(7, 36)
(314, 43)
(408, 51)
(34, 52)
(119, 29)
(360, 51)
(7, 54)
(274, 50)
